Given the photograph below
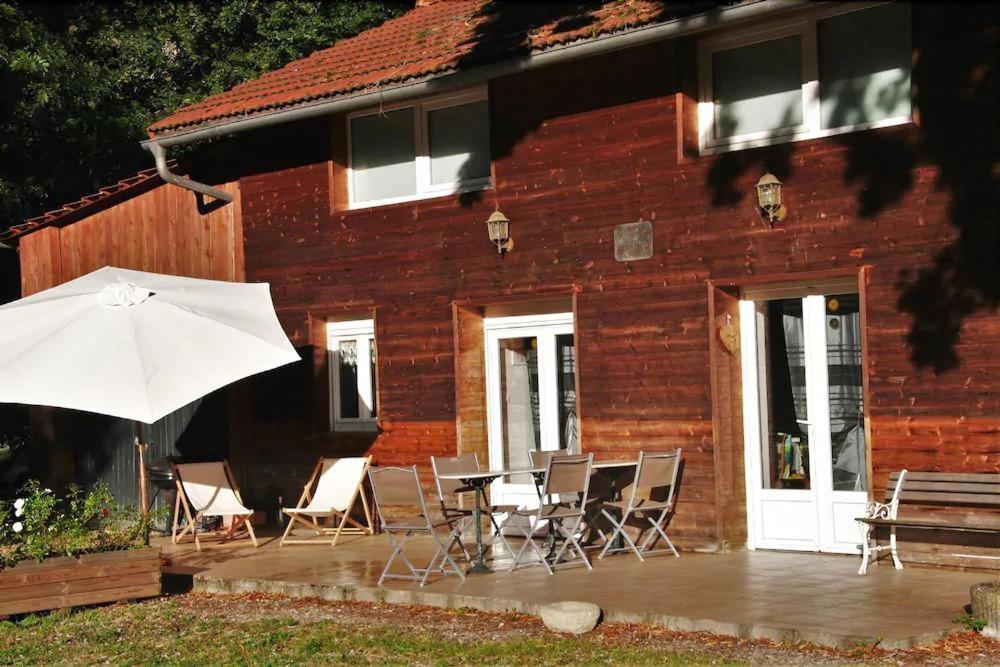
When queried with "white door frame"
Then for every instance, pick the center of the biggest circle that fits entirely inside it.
(814, 519)
(544, 328)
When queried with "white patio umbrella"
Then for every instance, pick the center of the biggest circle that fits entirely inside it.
(136, 345)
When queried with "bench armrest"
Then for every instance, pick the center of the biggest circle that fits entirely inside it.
(876, 510)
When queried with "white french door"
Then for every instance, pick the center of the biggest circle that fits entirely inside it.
(531, 396)
(806, 453)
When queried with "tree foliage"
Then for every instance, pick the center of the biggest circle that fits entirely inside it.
(80, 81)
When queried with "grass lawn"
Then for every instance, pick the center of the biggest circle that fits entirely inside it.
(255, 629)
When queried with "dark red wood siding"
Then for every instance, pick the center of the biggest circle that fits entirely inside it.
(582, 147)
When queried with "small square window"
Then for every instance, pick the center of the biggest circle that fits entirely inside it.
(422, 149)
(758, 87)
(832, 70)
(353, 375)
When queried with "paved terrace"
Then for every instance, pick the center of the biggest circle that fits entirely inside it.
(774, 595)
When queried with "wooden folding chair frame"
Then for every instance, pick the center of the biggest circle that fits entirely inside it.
(310, 521)
(191, 525)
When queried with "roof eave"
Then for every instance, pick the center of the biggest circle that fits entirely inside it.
(458, 78)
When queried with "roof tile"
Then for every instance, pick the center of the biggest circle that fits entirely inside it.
(429, 40)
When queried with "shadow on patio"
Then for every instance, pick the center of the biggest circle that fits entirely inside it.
(774, 595)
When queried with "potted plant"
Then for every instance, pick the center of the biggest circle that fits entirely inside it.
(77, 549)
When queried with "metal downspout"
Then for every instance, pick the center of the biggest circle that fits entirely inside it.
(160, 155)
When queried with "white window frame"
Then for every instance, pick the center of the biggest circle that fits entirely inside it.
(421, 139)
(811, 128)
(362, 331)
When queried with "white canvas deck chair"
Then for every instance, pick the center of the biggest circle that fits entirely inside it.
(330, 493)
(209, 489)
(652, 498)
(400, 486)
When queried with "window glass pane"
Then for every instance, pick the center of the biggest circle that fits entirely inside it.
(519, 402)
(864, 64)
(758, 87)
(784, 429)
(459, 143)
(383, 155)
(569, 435)
(371, 353)
(847, 417)
(347, 357)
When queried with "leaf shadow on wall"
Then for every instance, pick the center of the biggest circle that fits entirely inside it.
(955, 97)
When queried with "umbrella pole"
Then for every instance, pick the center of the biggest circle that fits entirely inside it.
(143, 491)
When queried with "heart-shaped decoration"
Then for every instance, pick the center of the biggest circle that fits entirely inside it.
(729, 336)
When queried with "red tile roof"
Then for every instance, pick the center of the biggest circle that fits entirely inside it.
(89, 204)
(428, 41)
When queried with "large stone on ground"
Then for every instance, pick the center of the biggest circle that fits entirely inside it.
(573, 617)
(986, 605)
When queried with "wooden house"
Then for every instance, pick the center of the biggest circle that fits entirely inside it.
(655, 294)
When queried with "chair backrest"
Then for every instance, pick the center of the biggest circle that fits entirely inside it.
(539, 458)
(656, 476)
(396, 486)
(206, 484)
(338, 483)
(448, 489)
(567, 475)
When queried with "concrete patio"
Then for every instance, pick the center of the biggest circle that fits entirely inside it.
(774, 595)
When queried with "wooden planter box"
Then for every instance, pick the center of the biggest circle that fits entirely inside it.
(70, 582)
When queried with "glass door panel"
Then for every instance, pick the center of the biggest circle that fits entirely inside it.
(520, 420)
(785, 454)
(569, 435)
(531, 396)
(847, 417)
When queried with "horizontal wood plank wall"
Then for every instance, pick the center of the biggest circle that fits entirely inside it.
(568, 168)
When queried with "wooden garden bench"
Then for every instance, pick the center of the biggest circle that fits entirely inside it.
(931, 490)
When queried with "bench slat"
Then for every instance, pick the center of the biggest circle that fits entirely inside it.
(958, 498)
(988, 478)
(922, 523)
(952, 487)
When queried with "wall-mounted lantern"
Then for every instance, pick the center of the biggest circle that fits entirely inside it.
(499, 229)
(769, 197)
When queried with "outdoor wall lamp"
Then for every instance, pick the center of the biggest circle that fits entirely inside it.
(499, 229)
(769, 197)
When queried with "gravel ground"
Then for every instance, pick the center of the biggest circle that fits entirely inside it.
(474, 627)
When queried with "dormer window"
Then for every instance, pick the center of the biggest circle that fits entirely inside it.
(834, 70)
(416, 150)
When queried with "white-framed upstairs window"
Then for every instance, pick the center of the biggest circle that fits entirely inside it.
(839, 68)
(417, 150)
(353, 376)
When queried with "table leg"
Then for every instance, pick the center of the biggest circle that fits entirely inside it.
(479, 567)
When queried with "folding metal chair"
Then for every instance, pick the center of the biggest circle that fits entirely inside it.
(331, 492)
(401, 486)
(567, 477)
(449, 492)
(652, 498)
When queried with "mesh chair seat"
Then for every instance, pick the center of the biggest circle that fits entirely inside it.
(643, 505)
(417, 522)
(551, 511)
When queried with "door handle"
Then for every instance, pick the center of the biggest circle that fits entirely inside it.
(804, 421)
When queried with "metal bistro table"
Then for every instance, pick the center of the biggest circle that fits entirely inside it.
(480, 479)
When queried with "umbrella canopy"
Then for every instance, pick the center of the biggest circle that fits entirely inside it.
(136, 345)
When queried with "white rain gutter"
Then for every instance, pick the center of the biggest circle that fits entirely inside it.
(476, 75)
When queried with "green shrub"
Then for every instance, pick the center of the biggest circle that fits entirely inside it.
(39, 524)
